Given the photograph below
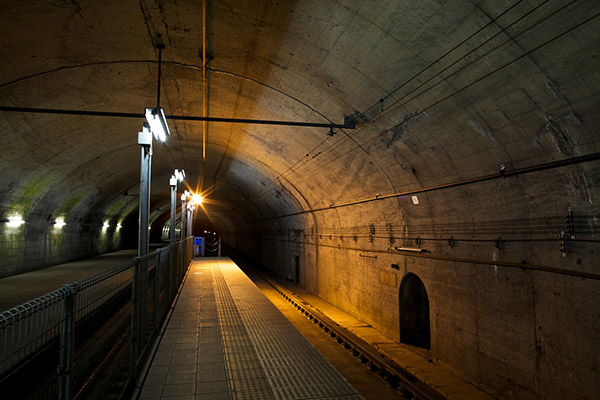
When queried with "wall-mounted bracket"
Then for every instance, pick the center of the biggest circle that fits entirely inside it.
(371, 232)
(451, 242)
(562, 245)
(570, 223)
(498, 243)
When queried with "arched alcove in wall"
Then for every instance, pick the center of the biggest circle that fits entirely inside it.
(414, 312)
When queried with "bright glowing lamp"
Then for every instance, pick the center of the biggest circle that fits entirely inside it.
(179, 175)
(158, 123)
(197, 199)
(105, 225)
(15, 221)
(59, 223)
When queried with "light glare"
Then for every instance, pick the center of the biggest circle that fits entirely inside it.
(15, 221)
(197, 199)
(59, 223)
(158, 123)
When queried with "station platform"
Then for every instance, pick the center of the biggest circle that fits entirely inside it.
(18, 289)
(226, 340)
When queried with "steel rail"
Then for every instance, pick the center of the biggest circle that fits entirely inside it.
(394, 374)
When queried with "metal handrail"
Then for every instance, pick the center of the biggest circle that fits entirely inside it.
(92, 319)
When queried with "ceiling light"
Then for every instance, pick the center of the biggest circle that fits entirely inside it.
(197, 199)
(15, 221)
(179, 175)
(59, 222)
(158, 123)
(105, 225)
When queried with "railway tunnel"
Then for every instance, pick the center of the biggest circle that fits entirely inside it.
(429, 168)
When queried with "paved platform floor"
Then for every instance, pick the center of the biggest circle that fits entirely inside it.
(416, 361)
(20, 288)
(226, 340)
(17, 289)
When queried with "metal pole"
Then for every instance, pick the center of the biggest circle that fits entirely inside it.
(173, 182)
(157, 269)
(67, 344)
(183, 228)
(135, 317)
(183, 218)
(144, 140)
(190, 214)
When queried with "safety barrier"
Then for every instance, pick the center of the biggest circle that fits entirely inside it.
(90, 338)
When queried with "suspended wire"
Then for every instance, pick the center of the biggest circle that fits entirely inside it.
(478, 31)
(434, 104)
(444, 55)
(289, 169)
(481, 57)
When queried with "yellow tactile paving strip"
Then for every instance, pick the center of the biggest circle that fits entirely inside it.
(444, 381)
(226, 340)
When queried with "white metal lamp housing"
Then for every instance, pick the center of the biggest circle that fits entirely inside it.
(179, 175)
(158, 123)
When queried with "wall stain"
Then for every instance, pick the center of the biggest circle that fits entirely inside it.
(484, 132)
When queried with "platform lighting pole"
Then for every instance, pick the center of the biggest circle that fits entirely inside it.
(173, 182)
(140, 273)
(190, 219)
(145, 141)
(184, 214)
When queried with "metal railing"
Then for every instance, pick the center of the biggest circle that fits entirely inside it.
(90, 338)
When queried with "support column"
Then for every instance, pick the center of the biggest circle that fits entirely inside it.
(173, 182)
(145, 141)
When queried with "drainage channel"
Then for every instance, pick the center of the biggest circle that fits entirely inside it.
(392, 373)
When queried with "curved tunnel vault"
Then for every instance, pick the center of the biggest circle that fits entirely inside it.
(474, 164)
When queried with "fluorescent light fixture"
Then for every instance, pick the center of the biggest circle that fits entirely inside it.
(15, 221)
(59, 222)
(179, 175)
(119, 226)
(158, 123)
(105, 225)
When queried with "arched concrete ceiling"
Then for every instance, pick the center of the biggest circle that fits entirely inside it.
(440, 91)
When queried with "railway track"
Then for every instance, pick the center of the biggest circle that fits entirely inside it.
(392, 373)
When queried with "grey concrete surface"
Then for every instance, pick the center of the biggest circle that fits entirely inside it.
(226, 340)
(442, 93)
(18, 289)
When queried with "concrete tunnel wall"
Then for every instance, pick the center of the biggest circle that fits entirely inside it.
(442, 94)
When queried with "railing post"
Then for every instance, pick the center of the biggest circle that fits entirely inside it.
(135, 323)
(157, 269)
(67, 344)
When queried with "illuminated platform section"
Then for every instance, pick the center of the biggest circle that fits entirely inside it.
(226, 340)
